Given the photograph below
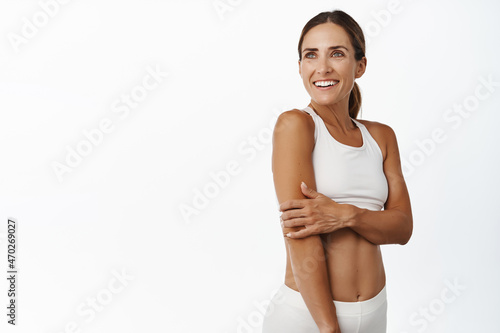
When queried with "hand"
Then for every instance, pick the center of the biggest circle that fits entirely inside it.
(318, 214)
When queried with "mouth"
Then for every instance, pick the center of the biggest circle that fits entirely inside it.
(325, 84)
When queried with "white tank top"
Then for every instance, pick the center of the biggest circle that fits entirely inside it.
(347, 174)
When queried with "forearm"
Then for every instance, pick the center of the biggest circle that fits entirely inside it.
(310, 272)
(391, 226)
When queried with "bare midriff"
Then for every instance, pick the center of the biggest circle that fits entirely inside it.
(355, 267)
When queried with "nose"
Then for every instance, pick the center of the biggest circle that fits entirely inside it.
(324, 66)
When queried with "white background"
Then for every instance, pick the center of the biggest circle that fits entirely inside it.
(230, 73)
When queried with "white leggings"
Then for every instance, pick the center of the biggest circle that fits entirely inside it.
(287, 313)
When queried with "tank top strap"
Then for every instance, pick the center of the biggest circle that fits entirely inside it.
(312, 113)
(368, 137)
(315, 117)
(363, 130)
(361, 126)
(308, 110)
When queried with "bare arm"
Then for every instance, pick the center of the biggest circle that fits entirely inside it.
(394, 224)
(293, 142)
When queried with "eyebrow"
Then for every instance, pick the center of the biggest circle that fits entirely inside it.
(330, 48)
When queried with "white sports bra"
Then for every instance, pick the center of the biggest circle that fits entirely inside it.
(347, 174)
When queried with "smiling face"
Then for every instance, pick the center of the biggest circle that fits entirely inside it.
(328, 66)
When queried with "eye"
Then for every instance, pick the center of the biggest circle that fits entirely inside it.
(337, 54)
(308, 55)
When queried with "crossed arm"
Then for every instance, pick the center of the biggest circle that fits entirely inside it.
(319, 214)
(307, 213)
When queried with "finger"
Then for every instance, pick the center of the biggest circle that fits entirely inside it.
(292, 204)
(293, 214)
(300, 234)
(309, 192)
(298, 222)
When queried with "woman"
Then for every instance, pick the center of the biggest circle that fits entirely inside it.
(334, 223)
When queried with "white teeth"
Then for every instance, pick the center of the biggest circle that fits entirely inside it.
(325, 83)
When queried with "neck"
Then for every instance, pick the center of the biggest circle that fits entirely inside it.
(336, 115)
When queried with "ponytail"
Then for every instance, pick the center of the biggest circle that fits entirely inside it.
(354, 101)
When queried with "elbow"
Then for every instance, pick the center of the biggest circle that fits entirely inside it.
(408, 232)
(405, 240)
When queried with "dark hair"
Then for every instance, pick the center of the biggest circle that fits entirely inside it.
(357, 38)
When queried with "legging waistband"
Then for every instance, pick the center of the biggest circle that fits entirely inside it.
(295, 298)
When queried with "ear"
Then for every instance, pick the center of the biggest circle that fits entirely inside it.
(300, 70)
(360, 70)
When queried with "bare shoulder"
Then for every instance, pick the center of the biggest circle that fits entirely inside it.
(293, 143)
(377, 128)
(294, 122)
(382, 133)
